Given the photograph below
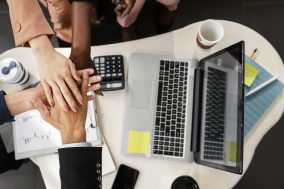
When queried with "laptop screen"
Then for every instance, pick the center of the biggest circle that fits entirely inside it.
(219, 105)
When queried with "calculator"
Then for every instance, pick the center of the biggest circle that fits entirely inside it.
(111, 69)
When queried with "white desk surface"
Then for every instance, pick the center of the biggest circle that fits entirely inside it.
(181, 44)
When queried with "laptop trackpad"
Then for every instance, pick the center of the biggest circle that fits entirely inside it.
(141, 94)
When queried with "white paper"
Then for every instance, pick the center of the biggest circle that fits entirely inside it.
(33, 136)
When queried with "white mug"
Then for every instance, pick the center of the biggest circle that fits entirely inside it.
(210, 32)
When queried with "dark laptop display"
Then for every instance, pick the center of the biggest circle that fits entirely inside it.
(217, 137)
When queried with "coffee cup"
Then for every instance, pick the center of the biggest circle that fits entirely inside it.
(13, 72)
(184, 182)
(210, 33)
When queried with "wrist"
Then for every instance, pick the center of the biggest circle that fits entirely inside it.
(19, 102)
(40, 45)
(73, 136)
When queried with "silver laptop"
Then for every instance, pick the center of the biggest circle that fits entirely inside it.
(192, 109)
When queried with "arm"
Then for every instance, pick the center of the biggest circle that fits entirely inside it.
(19, 102)
(16, 103)
(57, 73)
(27, 21)
(81, 36)
(80, 167)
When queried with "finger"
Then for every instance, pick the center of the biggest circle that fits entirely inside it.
(126, 11)
(58, 95)
(90, 97)
(73, 71)
(67, 95)
(74, 89)
(48, 93)
(43, 110)
(84, 86)
(94, 87)
(89, 70)
(95, 79)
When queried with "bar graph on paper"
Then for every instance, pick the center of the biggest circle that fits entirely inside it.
(34, 136)
(33, 133)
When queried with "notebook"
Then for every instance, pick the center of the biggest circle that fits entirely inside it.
(257, 104)
(33, 136)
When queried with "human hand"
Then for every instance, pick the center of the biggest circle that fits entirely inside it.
(123, 7)
(57, 74)
(60, 12)
(83, 61)
(70, 124)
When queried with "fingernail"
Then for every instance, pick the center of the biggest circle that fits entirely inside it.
(81, 101)
(91, 71)
(98, 86)
(74, 109)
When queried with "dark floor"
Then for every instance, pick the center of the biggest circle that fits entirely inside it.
(264, 16)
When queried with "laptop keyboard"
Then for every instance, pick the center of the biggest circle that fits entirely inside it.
(215, 115)
(169, 131)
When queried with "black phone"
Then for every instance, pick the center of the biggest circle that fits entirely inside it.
(126, 178)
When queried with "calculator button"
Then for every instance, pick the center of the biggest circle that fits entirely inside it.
(103, 75)
(114, 85)
(113, 70)
(113, 58)
(108, 75)
(108, 67)
(96, 60)
(113, 74)
(107, 63)
(108, 86)
(119, 74)
(102, 60)
(102, 68)
(119, 66)
(119, 70)
(119, 62)
(102, 71)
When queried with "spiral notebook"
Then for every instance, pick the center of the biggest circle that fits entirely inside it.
(258, 103)
(33, 136)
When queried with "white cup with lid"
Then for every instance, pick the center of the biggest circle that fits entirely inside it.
(13, 72)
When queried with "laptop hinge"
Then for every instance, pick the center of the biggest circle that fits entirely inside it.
(197, 107)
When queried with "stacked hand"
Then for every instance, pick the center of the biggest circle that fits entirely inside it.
(70, 124)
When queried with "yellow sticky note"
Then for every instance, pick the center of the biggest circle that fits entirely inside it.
(232, 152)
(250, 74)
(138, 142)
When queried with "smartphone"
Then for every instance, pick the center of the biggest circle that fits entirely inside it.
(126, 178)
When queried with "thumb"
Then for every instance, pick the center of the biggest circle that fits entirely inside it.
(43, 110)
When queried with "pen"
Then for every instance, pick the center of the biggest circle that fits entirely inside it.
(99, 92)
(252, 54)
(262, 86)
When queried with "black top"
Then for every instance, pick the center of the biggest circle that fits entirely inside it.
(80, 167)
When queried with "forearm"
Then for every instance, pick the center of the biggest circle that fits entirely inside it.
(40, 45)
(70, 136)
(18, 102)
(81, 28)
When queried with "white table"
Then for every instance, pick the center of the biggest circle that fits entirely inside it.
(180, 43)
